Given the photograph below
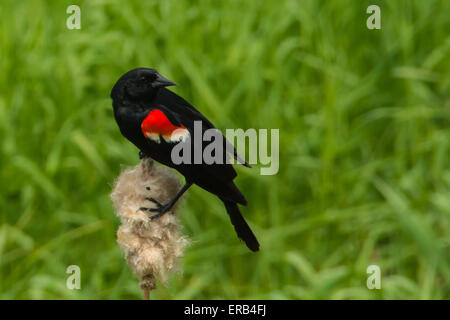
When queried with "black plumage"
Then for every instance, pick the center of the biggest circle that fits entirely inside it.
(136, 95)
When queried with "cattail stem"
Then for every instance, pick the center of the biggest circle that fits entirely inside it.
(148, 283)
(146, 294)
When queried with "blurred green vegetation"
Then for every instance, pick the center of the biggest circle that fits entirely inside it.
(364, 145)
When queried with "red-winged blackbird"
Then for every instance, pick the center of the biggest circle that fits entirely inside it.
(155, 120)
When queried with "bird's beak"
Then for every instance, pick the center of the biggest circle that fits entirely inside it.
(160, 81)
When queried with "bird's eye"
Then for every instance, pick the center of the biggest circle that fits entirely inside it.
(143, 79)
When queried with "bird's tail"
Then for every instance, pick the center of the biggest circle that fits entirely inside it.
(240, 225)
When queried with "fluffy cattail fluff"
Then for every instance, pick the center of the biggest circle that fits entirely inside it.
(151, 247)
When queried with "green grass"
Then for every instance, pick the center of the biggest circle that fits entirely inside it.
(364, 145)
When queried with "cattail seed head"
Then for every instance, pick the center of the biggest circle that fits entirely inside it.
(152, 247)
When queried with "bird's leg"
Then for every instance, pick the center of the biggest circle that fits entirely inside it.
(163, 208)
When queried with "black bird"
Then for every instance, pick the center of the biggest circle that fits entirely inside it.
(156, 120)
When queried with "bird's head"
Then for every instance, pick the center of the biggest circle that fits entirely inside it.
(140, 83)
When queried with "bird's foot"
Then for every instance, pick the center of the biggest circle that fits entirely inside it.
(142, 155)
(160, 208)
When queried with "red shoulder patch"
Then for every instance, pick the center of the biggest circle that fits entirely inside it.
(156, 124)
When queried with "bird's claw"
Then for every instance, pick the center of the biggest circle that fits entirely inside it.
(142, 155)
(160, 209)
(159, 206)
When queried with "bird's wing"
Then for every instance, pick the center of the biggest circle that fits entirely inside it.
(164, 124)
(182, 111)
(160, 123)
